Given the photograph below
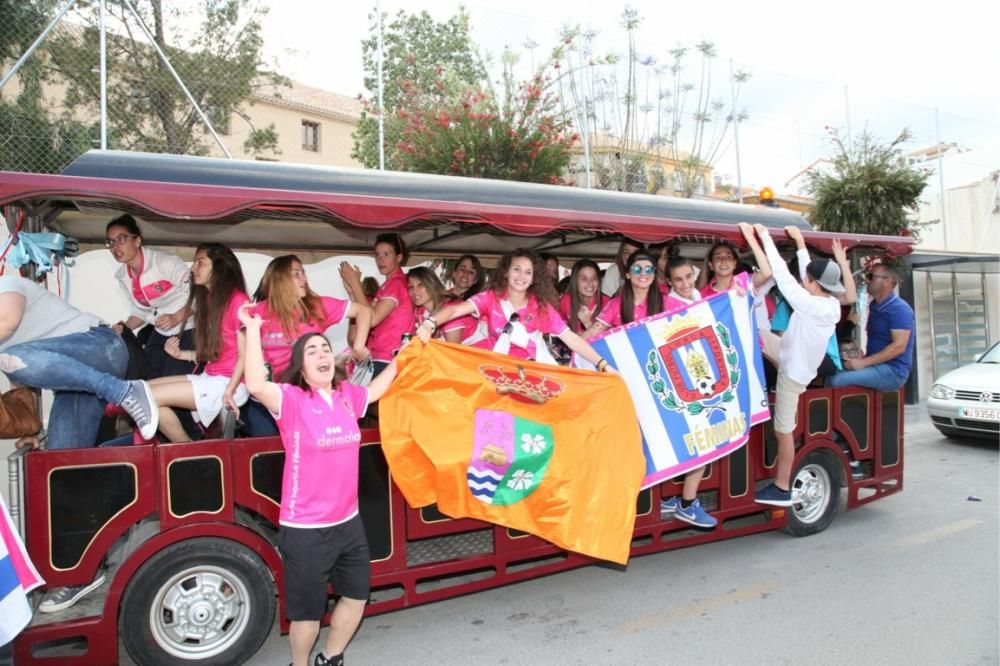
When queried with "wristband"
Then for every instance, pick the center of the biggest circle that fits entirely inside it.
(601, 364)
(430, 320)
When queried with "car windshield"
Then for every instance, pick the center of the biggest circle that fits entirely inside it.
(992, 355)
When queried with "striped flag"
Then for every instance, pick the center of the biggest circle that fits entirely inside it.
(696, 379)
(17, 577)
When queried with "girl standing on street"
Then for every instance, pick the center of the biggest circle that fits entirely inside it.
(321, 536)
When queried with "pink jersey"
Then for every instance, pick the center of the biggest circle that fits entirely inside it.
(740, 279)
(468, 325)
(611, 313)
(385, 339)
(565, 302)
(229, 350)
(278, 348)
(319, 486)
(534, 318)
(674, 302)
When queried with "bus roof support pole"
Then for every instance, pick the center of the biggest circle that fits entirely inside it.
(177, 78)
(104, 74)
(41, 38)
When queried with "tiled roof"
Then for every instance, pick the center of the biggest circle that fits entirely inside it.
(313, 100)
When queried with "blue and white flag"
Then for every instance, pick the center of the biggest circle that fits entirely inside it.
(696, 378)
(18, 576)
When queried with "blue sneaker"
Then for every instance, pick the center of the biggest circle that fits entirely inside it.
(670, 505)
(773, 495)
(695, 515)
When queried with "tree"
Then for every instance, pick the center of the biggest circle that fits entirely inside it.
(657, 113)
(463, 130)
(871, 190)
(417, 50)
(216, 52)
(29, 139)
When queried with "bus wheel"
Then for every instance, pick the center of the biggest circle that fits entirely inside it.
(203, 600)
(815, 493)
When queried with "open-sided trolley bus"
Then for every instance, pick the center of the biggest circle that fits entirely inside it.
(187, 531)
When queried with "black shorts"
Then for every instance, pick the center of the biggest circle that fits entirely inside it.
(314, 556)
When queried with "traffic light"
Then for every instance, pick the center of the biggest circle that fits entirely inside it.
(767, 197)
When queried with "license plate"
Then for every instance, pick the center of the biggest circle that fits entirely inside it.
(979, 413)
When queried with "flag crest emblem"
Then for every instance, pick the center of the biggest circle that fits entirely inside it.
(509, 457)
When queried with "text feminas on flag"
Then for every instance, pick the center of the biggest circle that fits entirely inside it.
(695, 377)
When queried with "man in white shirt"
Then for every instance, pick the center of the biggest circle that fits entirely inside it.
(799, 352)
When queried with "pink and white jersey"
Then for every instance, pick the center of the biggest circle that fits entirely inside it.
(472, 330)
(673, 301)
(565, 302)
(319, 430)
(533, 320)
(384, 339)
(160, 287)
(277, 347)
(740, 279)
(229, 350)
(611, 313)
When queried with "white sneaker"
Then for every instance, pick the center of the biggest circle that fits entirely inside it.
(139, 404)
(61, 598)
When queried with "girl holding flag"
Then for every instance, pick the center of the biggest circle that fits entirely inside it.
(519, 307)
(641, 298)
(321, 536)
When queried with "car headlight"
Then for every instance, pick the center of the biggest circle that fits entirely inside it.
(942, 392)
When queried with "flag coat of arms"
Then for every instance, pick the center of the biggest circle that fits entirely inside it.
(18, 576)
(696, 378)
(552, 451)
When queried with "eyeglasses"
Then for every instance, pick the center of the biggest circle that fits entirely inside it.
(875, 276)
(120, 239)
(642, 270)
(508, 328)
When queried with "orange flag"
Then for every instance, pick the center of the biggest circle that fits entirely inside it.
(553, 451)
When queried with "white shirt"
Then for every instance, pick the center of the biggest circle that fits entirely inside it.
(165, 284)
(813, 320)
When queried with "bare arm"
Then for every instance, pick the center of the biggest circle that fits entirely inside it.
(594, 329)
(896, 346)
(254, 371)
(763, 273)
(444, 315)
(362, 316)
(583, 348)
(351, 275)
(850, 295)
(383, 309)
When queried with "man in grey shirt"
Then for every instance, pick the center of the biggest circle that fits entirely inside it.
(47, 343)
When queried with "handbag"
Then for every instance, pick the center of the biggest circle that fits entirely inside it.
(18, 416)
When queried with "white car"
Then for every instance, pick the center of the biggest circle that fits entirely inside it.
(966, 401)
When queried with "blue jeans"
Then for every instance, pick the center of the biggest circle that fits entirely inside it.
(879, 377)
(84, 371)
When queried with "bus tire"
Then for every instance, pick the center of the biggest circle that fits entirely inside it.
(205, 600)
(816, 490)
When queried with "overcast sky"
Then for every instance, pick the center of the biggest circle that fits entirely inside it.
(897, 61)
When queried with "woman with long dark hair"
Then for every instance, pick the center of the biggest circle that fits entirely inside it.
(583, 299)
(217, 292)
(519, 307)
(393, 309)
(289, 309)
(321, 536)
(468, 277)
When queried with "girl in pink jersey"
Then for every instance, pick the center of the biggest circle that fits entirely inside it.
(289, 310)
(321, 536)
(639, 297)
(393, 309)
(429, 295)
(583, 299)
(217, 292)
(720, 269)
(519, 309)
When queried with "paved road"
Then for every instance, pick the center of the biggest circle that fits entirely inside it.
(912, 579)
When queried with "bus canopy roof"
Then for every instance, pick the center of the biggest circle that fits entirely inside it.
(184, 200)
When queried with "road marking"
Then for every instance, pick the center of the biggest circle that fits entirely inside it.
(938, 533)
(698, 608)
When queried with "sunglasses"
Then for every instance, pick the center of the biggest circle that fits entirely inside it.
(875, 276)
(120, 239)
(642, 270)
